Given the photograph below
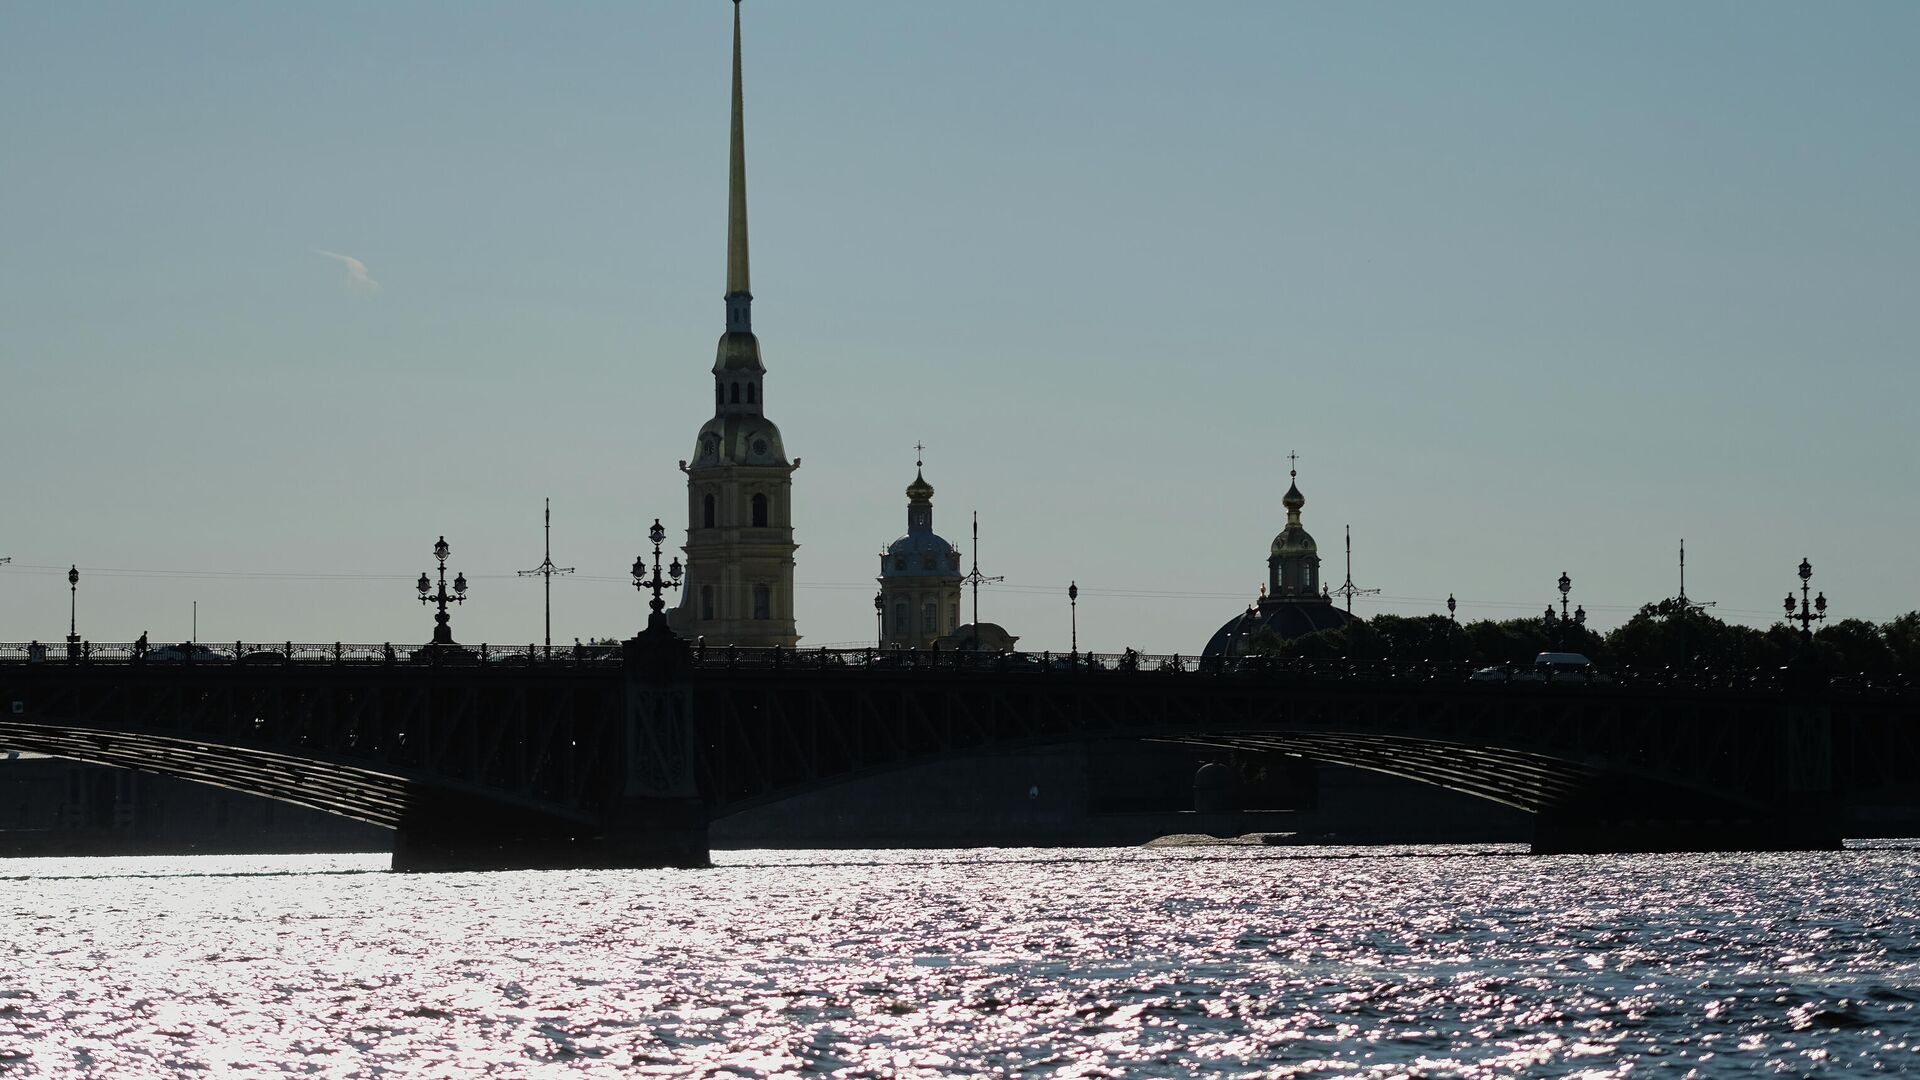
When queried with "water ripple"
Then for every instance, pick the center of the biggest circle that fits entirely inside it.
(1155, 962)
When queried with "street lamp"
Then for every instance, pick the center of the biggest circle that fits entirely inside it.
(657, 621)
(879, 620)
(442, 632)
(1073, 614)
(73, 600)
(1806, 616)
(1556, 626)
(1451, 605)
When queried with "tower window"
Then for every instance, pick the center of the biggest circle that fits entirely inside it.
(900, 619)
(706, 511)
(749, 393)
(762, 602)
(736, 393)
(719, 394)
(929, 618)
(759, 511)
(706, 601)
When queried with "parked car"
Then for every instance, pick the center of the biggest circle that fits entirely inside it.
(185, 653)
(1495, 673)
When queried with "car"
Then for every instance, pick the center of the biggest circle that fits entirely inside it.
(185, 652)
(1496, 673)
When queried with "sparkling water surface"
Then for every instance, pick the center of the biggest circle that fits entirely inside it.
(1231, 961)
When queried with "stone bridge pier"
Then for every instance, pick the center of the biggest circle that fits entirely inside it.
(653, 814)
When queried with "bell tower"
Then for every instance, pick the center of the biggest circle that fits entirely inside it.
(739, 583)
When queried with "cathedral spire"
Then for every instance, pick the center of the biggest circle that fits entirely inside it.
(739, 286)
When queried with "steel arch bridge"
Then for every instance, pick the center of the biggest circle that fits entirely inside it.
(623, 760)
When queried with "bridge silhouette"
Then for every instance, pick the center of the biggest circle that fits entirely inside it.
(490, 758)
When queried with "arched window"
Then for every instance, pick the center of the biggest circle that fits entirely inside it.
(759, 511)
(736, 393)
(719, 394)
(762, 602)
(900, 626)
(707, 511)
(706, 599)
(929, 618)
(749, 393)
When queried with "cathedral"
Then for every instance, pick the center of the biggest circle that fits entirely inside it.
(1294, 602)
(739, 580)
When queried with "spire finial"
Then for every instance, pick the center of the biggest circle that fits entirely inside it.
(919, 449)
(739, 281)
(1293, 462)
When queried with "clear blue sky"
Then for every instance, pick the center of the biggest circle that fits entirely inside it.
(1529, 287)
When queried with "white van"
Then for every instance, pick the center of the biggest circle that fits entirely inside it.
(1567, 667)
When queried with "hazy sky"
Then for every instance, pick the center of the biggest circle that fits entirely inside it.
(287, 292)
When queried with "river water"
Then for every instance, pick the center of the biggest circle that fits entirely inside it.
(1138, 962)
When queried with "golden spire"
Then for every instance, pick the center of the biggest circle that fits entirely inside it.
(737, 277)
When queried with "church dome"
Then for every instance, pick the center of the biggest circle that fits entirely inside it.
(739, 439)
(738, 351)
(919, 489)
(1285, 620)
(921, 554)
(1293, 540)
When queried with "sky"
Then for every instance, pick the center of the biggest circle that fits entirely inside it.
(288, 292)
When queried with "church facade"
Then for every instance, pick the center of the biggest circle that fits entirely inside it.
(919, 578)
(739, 548)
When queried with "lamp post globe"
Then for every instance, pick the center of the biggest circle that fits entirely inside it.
(879, 620)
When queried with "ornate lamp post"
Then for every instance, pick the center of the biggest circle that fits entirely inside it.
(657, 621)
(1073, 614)
(1806, 616)
(1556, 626)
(879, 620)
(442, 632)
(73, 601)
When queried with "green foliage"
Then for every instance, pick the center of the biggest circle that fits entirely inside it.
(1658, 635)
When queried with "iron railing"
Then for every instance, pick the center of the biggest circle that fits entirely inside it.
(908, 661)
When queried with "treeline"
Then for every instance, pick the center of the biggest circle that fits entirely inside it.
(1659, 635)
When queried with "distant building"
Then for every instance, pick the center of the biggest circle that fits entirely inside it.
(1294, 603)
(919, 577)
(739, 580)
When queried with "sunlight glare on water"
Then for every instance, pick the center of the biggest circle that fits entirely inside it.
(1138, 962)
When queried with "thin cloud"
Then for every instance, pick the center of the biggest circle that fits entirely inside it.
(357, 278)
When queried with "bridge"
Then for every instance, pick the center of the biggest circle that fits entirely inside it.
(498, 758)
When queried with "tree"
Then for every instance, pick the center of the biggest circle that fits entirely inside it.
(1903, 641)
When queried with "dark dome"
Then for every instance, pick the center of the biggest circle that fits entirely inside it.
(1287, 619)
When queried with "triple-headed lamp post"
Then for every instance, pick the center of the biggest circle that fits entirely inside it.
(657, 621)
(1557, 626)
(442, 632)
(1807, 615)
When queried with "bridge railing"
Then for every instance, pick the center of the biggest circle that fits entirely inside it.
(907, 661)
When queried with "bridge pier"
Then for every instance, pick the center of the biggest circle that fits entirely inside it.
(644, 835)
(653, 814)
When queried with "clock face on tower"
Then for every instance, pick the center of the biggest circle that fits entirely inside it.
(710, 448)
(759, 448)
